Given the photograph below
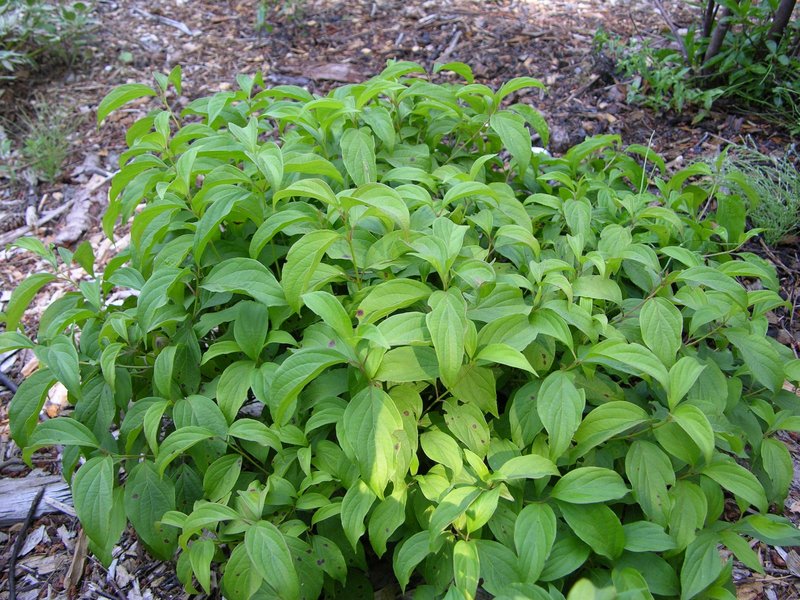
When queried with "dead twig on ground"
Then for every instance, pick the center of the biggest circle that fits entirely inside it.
(12, 561)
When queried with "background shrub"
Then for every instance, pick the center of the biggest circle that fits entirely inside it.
(746, 53)
(376, 324)
(34, 33)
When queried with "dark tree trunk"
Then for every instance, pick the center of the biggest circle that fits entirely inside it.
(717, 37)
(708, 18)
(781, 20)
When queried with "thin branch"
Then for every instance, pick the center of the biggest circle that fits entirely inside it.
(673, 28)
(12, 562)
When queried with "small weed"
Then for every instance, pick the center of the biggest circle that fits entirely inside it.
(771, 186)
(46, 140)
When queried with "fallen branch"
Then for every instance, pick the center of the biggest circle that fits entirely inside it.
(19, 492)
(10, 236)
(182, 27)
(12, 561)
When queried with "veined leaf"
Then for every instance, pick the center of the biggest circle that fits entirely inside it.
(270, 556)
(560, 406)
(446, 323)
(293, 375)
(370, 422)
(245, 276)
(301, 263)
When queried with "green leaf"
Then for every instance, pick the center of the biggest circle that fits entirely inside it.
(92, 495)
(458, 68)
(147, 497)
(27, 403)
(442, 449)
(293, 375)
(599, 288)
(650, 472)
(739, 481)
(370, 424)
(108, 362)
(61, 357)
(514, 136)
(408, 555)
(534, 535)
(503, 354)
(701, 567)
(201, 552)
(408, 364)
(234, 383)
(355, 505)
(241, 579)
(330, 310)
(250, 328)
(178, 442)
(21, 297)
(530, 466)
(452, 506)
(120, 96)
(759, 356)
(597, 525)
(271, 558)
(643, 536)
(224, 199)
(386, 518)
(155, 295)
(628, 358)
(245, 276)
(516, 84)
(446, 323)
(301, 263)
(390, 296)
(741, 548)
(328, 552)
(662, 324)
(221, 476)
(358, 155)
(466, 567)
(692, 420)
(560, 406)
(682, 377)
(254, 431)
(61, 431)
(606, 421)
(587, 485)
(308, 188)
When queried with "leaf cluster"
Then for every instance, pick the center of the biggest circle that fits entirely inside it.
(34, 34)
(376, 325)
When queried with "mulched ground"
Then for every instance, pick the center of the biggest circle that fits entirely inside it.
(319, 44)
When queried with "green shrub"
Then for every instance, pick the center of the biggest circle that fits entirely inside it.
(744, 53)
(376, 324)
(34, 33)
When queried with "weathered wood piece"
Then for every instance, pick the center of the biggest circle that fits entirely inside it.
(17, 494)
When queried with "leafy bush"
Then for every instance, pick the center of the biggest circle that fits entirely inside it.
(745, 53)
(376, 324)
(34, 33)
